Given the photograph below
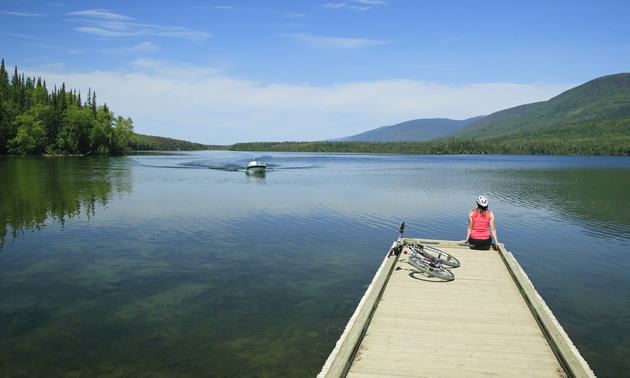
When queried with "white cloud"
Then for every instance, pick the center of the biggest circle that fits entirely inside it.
(110, 25)
(333, 42)
(20, 14)
(22, 36)
(101, 14)
(372, 2)
(334, 5)
(358, 9)
(204, 105)
(101, 32)
(142, 47)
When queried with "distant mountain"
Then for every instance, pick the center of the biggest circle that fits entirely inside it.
(604, 99)
(591, 119)
(418, 130)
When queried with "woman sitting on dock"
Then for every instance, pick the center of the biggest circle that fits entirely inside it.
(480, 225)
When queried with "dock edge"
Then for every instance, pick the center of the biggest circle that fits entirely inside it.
(567, 354)
(340, 359)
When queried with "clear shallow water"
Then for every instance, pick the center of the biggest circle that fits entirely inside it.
(181, 264)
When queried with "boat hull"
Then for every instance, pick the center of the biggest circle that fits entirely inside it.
(258, 168)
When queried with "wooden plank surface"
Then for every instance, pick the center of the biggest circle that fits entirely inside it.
(476, 325)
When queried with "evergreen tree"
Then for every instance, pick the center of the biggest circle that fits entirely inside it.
(4, 106)
(93, 107)
(16, 89)
(4, 81)
(88, 101)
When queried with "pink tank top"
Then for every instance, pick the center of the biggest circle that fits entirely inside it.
(480, 228)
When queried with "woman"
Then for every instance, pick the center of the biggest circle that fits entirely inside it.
(480, 225)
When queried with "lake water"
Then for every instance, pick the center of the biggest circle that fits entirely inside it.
(183, 265)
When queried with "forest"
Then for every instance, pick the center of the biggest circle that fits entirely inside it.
(140, 142)
(35, 120)
(560, 141)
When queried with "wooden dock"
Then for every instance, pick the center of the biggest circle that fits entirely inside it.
(489, 321)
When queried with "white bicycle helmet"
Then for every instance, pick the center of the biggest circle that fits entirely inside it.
(482, 201)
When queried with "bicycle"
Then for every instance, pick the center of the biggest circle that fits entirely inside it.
(420, 258)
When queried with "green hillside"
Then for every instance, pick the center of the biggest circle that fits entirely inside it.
(602, 99)
(417, 130)
(610, 138)
(499, 116)
(140, 142)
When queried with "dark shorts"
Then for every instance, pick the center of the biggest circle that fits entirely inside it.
(480, 243)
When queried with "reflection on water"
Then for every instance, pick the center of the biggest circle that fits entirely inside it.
(37, 190)
(256, 178)
(181, 264)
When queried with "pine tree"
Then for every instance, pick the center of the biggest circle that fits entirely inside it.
(16, 90)
(88, 102)
(4, 81)
(4, 105)
(94, 103)
(63, 102)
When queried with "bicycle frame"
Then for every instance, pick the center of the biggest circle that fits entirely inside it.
(418, 252)
(422, 260)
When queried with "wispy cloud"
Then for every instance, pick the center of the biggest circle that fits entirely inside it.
(334, 5)
(367, 4)
(333, 42)
(295, 15)
(358, 8)
(101, 14)
(20, 14)
(22, 36)
(224, 7)
(373, 2)
(142, 47)
(111, 25)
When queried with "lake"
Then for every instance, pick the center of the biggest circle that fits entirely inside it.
(180, 264)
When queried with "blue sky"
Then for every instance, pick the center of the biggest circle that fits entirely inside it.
(221, 72)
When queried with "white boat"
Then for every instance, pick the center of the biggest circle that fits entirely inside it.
(255, 166)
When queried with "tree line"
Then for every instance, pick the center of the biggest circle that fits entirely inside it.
(39, 192)
(35, 120)
(603, 138)
(554, 146)
(140, 142)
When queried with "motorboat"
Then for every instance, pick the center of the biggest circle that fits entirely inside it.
(255, 166)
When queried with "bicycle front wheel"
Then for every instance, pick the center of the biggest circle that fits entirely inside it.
(435, 271)
(445, 258)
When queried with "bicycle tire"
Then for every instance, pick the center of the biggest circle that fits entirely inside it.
(445, 258)
(423, 266)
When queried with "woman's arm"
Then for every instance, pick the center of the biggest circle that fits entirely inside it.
(493, 231)
(469, 227)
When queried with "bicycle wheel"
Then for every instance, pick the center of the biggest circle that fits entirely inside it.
(445, 258)
(435, 271)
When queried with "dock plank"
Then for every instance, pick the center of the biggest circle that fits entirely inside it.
(476, 325)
